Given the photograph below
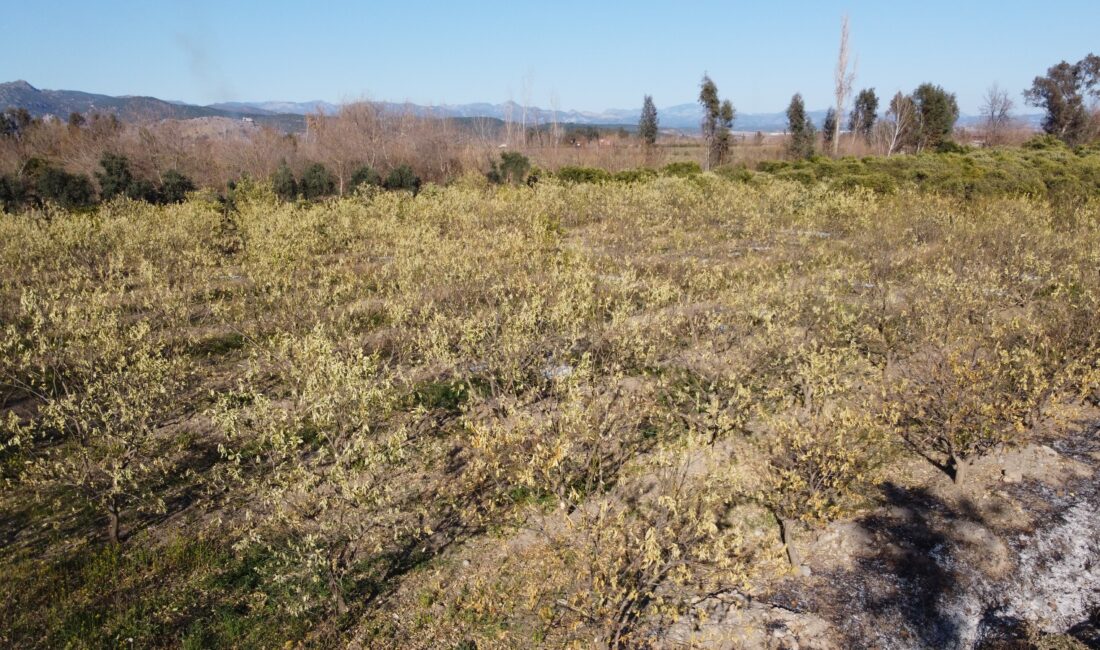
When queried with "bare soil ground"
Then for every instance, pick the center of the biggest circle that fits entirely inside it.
(1009, 560)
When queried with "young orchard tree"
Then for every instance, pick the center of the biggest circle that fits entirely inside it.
(822, 445)
(864, 113)
(1062, 93)
(647, 125)
(636, 565)
(318, 461)
(105, 389)
(971, 387)
(817, 466)
(616, 557)
(801, 144)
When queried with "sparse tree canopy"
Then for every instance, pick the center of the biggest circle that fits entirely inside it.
(11, 193)
(864, 113)
(996, 114)
(647, 126)
(1062, 92)
(900, 128)
(708, 98)
(801, 129)
(717, 123)
(364, 175)
(512, 169)
(13, 121)
(843, 78)
(65, 189)
(724, 137)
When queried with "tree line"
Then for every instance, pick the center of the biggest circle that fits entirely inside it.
(90, 158)
(920, 121)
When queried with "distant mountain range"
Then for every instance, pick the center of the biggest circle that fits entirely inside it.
(684, 117)
(61, 103)
(289, 116)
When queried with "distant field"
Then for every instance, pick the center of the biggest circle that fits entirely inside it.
(555, 416)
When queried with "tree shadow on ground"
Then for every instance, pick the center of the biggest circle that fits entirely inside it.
(894, 595)
(913, 562)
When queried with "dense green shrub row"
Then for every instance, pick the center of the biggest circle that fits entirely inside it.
(40, 182)
(317, 181)
(1043, 168)
(571, 174)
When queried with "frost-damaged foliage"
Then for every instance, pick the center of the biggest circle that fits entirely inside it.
(559, 415)
(637, 566)
(822, 445)
(103, 388)
(994, 360)
(318, 461)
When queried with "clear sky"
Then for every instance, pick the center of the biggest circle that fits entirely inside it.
(587, 55)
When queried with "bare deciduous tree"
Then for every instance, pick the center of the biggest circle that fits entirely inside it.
(897, 128)
(843, 80)
(996, 113)
(350, 138)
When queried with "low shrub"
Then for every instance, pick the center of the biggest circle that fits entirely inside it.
(512, 169)
(402, 178)
(739, 174)
(175, 186)
(571, 174)
(634, 175)
(364, 176)
(284, 184)
(317, 182)
(682, 169)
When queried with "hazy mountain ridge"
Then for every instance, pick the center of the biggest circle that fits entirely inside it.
(680, 116)
(289, 115)
(60, 103)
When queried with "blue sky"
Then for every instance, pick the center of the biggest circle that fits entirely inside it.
(588, 55)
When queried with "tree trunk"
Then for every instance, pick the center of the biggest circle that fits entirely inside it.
(785, 526)
(112, 522)
(959, 469)
(807, 397)
(337, 591)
